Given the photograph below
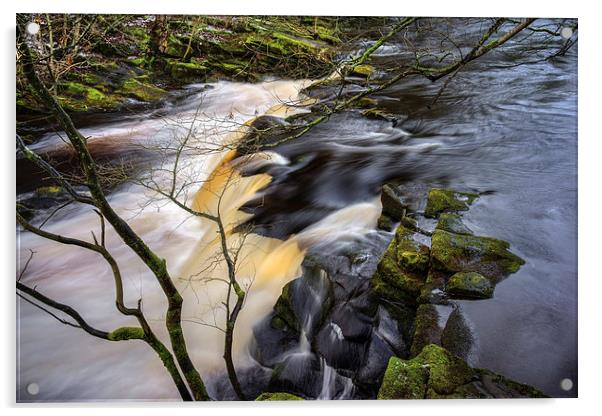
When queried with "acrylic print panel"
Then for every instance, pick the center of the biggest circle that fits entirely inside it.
(295, 208)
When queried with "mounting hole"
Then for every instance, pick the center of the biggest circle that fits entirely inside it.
(566, 384)
(32, 28)
(566, 33)
(33, 388)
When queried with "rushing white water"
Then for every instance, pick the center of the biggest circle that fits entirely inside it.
(68, 364)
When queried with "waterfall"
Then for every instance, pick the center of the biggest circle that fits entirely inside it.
(69, 364)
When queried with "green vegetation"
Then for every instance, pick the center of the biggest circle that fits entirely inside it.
(435, 374)
(447, 200)
(279, 397)
(469, 285)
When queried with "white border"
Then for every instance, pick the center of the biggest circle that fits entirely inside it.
(589, 194)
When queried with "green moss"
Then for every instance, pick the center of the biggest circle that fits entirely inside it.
(186, 70)
(466, 253)
(403, 266)
(277, 397)
(452, 223)
(377, 114)
(175, 46)
(48, 190)
(277, 322)
(284, 308)
(403, 380)
(433, 289)
(392, 205)
(469, 285)
(364, 70)
(139, 35)
(365, 102)
(435, 373)
(139, 89)
(291, 42)
(327, 35)
(447, 200)
(509, 388)
(427, 330)
(139, 62)
(126, 333)
(446, 371)
(411, 255)
(384, 223)
(403, 285)
(76, 96)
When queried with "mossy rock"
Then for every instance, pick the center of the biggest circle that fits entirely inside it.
(403, 380)
(427, 330)
(392, 205)
(138, 62)
(76, 96)
(187, 70)
(284, 310)
(276, 397)
(447, 200)
(501, 387)
(402, 266)
(453, 224)
(364, 70)
(437, 374)
(402, 270)
(457, 337)
(46, 191)
(365, 102)
(467, 253)
(384, 223)
(139, 89)
(378, 114)
(469, 285)
(434, 368)
(433, 290)
(411, 255)
(176, 47)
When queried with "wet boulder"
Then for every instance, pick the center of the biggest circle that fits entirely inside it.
(453, 224)
(447, 200)
(436, 373)
(434, 370)
(427, 330)
(297, 374)
(402, 270)
(433, 290)
(391, 202)
(305, 302)
(488, 256)
(469, 285)
(384, 223)
(457, 336)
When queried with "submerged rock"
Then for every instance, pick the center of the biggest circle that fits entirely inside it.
(469, 285)
(447, 200)
(467, 253)
(436, 373)
(457, 336)
(277, 397)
